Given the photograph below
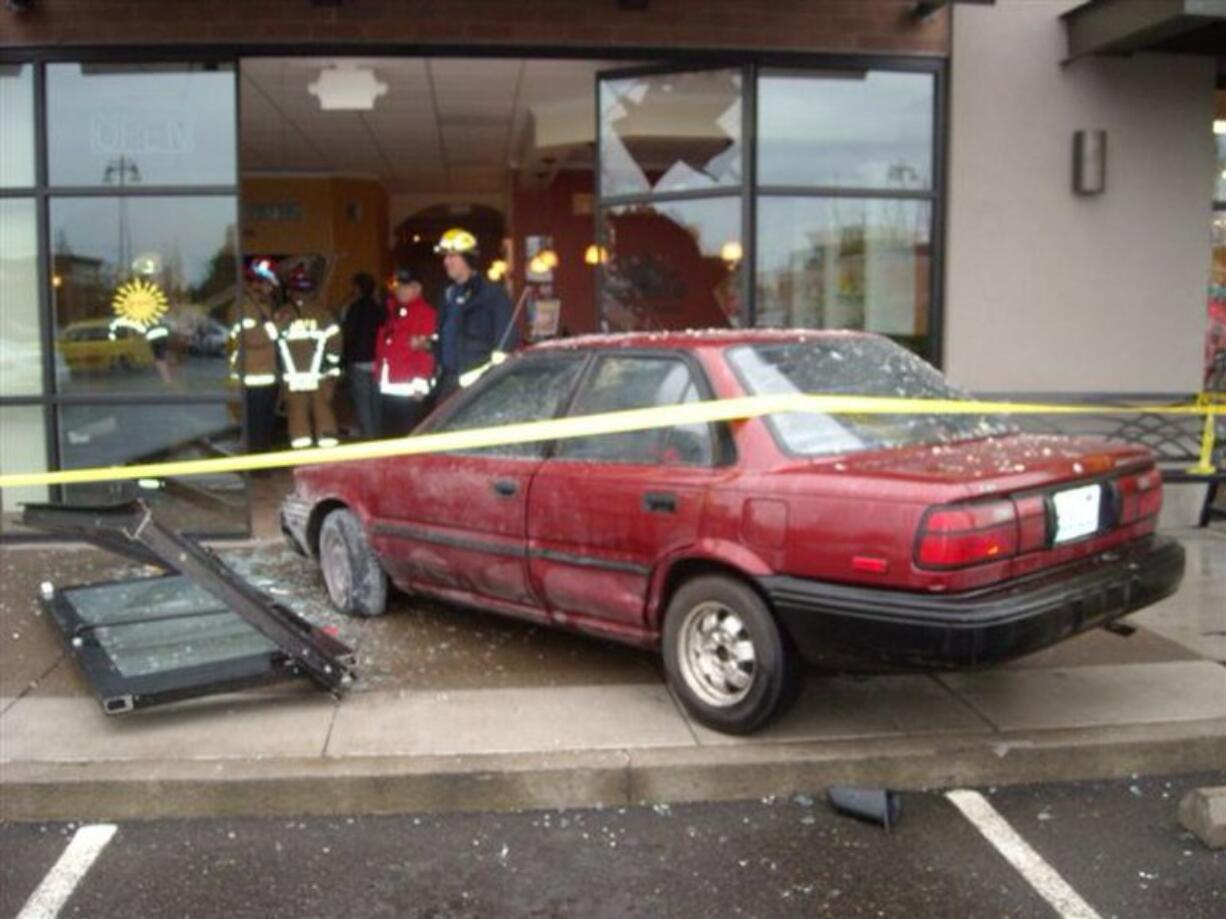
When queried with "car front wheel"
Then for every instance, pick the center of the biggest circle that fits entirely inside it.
(726, 658)
(356, 582)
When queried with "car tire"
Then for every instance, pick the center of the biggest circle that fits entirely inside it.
(355, 581)
(726, 658)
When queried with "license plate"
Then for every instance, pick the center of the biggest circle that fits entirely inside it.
(1078, 512)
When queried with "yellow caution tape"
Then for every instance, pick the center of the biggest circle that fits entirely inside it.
(593, 425)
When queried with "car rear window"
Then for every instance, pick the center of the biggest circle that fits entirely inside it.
(860, 366)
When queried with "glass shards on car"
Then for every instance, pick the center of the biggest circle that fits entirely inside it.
(855, 366)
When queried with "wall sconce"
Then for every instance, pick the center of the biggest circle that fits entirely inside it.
(1090, 162)
(497, 270)
(595, 255)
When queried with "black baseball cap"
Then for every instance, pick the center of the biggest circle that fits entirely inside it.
(403, 276)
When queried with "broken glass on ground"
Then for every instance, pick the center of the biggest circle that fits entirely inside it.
(196, 629)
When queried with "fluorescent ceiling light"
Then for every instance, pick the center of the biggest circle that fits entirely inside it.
(347, 87)
(1219, 126)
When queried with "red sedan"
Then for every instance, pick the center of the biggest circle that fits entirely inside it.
(739, 549)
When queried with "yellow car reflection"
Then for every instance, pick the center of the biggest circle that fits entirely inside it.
(93, 345)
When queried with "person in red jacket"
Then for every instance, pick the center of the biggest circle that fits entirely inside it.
(404, 356)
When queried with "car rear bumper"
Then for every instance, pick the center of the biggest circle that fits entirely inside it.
(893, 628)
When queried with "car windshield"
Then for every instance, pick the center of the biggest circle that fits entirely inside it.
(859, 366)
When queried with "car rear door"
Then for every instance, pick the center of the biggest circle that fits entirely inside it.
(456, 523)
(604, 510)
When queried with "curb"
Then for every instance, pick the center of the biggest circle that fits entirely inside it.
(141, 789)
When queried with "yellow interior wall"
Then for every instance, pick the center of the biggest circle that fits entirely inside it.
(342, 218)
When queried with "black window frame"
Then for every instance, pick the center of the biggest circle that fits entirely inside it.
(50, 400)
(751, 190)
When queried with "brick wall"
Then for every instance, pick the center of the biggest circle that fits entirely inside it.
(796, 25)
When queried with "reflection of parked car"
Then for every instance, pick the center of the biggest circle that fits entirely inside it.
(99, 344)
(209, 339)
(919, 541)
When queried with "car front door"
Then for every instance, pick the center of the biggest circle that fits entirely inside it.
(603, 510)
(455, 523)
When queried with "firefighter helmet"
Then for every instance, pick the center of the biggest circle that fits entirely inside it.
(457, 240)
(261, 269)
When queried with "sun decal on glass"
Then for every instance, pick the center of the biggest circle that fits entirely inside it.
(140, 301)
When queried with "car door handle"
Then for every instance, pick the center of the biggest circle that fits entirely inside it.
(660, 502)
(505, 487)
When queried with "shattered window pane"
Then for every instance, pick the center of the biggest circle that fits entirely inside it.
(860, 366)
(624, 383)
(164, 623)
(533, 390)
(670, 132)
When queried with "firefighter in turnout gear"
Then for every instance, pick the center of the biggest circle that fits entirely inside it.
(310, 347)
(253, 354)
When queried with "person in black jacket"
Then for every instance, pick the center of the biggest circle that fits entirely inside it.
(476, 325)
(359, 330)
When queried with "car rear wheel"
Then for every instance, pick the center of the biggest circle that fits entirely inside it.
(356, 583)
(726, 658)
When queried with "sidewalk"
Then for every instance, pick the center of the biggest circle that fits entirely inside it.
(460, 710)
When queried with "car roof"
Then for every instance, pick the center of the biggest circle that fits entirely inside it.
(696, 338)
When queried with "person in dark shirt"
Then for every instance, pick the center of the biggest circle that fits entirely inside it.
(477, 324)
(360, 329)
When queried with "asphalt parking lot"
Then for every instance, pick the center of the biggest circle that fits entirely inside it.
(1116, 844)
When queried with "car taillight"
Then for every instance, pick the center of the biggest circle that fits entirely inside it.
(1140, 496)
(969, 534)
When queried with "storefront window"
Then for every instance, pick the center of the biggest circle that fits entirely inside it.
(23, 448)
(857, 129)
(845, 263)
(21, 365)
(670, 132)
(17, 137)
(121, 125)
(120, 434)
(142, 291)
(673, 265)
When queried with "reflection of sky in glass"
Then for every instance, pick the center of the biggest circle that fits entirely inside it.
(185, 232)
(176, 125)
(843, 130)
(17, 117)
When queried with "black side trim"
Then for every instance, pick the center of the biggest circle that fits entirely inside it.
(588, 561)
(405, 531)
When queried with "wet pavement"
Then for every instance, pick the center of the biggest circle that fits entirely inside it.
(1116, 843)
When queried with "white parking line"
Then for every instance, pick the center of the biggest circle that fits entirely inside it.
(87, 844)
(1040, 875)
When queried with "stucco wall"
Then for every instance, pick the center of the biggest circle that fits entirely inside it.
(1046, 290)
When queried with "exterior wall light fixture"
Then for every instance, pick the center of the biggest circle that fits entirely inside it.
(1090, 162)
